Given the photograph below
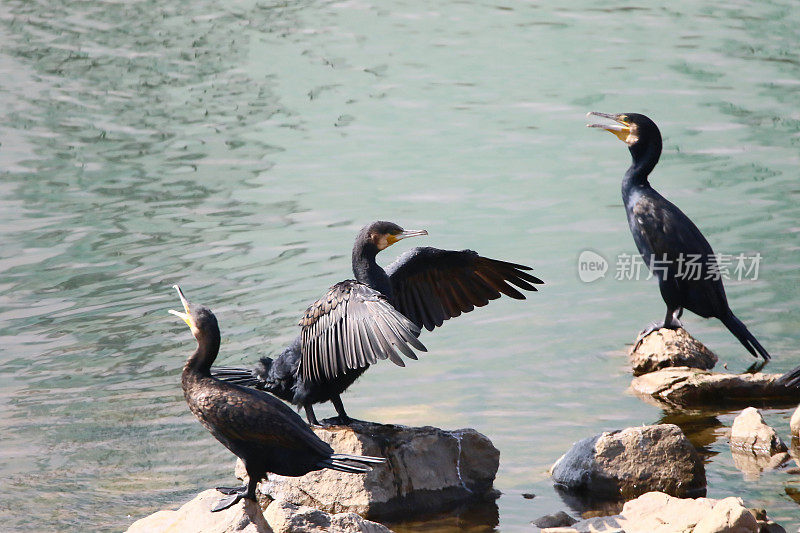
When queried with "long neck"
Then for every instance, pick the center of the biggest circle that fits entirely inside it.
(199, 363)
(367, 270)
(644, 161)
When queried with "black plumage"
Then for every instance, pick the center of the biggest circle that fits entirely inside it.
(667, 239)
(790, 378)
(379, 315)
(258, 428)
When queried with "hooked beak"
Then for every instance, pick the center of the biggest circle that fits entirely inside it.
(622, 129)
(405, 234)
(186, 317)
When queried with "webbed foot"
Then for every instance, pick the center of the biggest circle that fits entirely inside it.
(655, 326)
(673, 323)
(228, 501)
(338, 421)
(233, 495)
(232, 490)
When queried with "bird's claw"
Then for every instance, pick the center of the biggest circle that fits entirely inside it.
(337, 421)
(655, 326)
(674, 323)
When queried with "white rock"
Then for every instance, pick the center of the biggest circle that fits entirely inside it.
(196, 516)
(754, 444)
(750, 432)
(728, 516)
(286, 517)
(247, 517)
(665, 348)
(656, 512)
(428, 469)
(794, 423)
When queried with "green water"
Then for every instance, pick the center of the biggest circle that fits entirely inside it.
(236, 148)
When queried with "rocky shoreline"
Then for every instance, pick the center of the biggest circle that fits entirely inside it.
(654, 470)
(673, 370)
(656, 512)
(428, 470)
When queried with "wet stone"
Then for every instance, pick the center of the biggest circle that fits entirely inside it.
(428, 470)
(665, 348)
(625, 464)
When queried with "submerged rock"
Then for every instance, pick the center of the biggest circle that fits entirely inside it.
(656, 512)
(559, 519)
(625, 464)
(428, 470)
(196, 515)
(665, 348)
(687, 387)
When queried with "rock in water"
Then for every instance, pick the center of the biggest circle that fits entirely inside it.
(286, 517)
(244, 517)
(755, 446)
(625, 464)
(794, 423)
(665, 348)
(690, 387)
(428, 470)
(728, 515)
(559, 519)
(750, 432)
(656, 512)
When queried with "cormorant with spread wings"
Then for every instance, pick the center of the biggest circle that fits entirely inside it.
(377, 315)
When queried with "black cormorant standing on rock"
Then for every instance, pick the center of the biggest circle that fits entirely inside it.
(360, 321)
(258, 428)
(667, 239)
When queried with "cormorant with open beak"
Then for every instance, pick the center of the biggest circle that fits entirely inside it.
(667, 239)
(258, 428)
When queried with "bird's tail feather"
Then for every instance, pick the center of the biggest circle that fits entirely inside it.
(355, 464)
(739, 330)
(237, 375)
(359, 458)
(791, 378)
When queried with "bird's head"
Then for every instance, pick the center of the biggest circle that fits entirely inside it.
(636, 130)
(199, 318)
(383, 234)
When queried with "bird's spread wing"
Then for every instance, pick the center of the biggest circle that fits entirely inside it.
(430, 285)
(352, 327)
